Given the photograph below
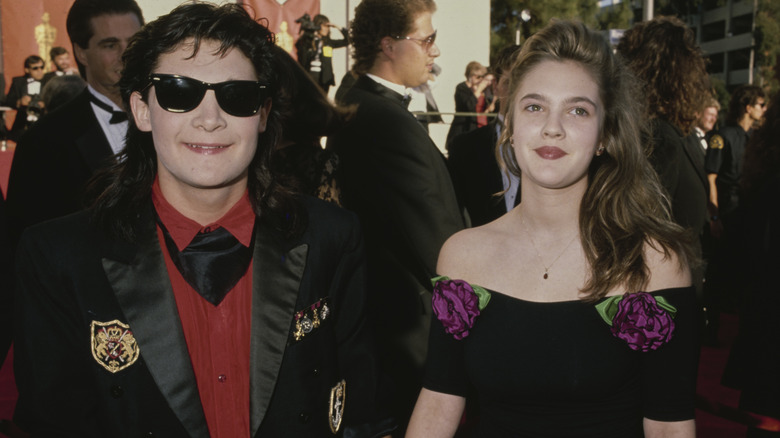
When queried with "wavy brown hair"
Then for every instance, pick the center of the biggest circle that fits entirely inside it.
(664, 56)
(624, 207)
(376, 19)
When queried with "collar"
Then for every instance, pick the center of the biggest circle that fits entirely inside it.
(103, 98)
(400, 89)
(239, 220)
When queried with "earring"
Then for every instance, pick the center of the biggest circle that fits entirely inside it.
(512, 140)
(600, 151)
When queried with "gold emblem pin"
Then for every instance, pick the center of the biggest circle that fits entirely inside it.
(338, 395)
(113, 345)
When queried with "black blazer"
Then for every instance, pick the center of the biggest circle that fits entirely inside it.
(680, 165)
(70, 274)
(396, 180)
(476, 175)
(52, 163)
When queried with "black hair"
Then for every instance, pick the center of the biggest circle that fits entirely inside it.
(129, 182)
(32, 59)
(81, 13)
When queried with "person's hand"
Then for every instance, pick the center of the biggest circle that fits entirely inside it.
(25, 100)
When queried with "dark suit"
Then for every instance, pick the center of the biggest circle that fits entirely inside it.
(6, 282)
(680, 166)
(52, 164)
(394, 177)
(465, 102)
(70, 274)
(679, 162)
(476, 175)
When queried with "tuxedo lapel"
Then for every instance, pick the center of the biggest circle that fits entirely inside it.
(92, 142)
(368, 84)
(276, 279)
(140, 281)
(694, 154)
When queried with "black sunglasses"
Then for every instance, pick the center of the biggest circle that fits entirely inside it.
(180, 94)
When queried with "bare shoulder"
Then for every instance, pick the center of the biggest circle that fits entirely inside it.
(468, 251)
(666, 270)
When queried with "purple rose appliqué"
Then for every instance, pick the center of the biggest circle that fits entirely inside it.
(457, 304)
(641, 320)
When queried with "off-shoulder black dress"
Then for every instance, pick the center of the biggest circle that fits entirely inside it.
(557, 370)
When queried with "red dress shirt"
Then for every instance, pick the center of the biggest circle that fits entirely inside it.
(218, 337)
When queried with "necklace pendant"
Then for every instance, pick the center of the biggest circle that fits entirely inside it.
(545, 275)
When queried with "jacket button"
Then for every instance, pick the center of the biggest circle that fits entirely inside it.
(117, 391)
(316, 372)
(304, 417)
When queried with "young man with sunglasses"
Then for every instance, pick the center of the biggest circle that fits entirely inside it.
(198, 296)
(394, 177)
(59, 153)
(24, 93)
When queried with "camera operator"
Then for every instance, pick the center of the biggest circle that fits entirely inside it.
(24, 96)
(315, 48)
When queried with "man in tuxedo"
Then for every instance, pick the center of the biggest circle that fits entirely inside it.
(473, 162)
(394, 177)
(24, 94)
(57, 156)
(198, 296)
(60, 58)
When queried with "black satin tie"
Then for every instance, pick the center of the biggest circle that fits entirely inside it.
(212, 263)
(116, 116)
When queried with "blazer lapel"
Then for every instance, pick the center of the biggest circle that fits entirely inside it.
(140, 281)
(276, 279)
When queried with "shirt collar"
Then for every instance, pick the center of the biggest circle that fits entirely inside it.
(400, 89)
(103, 98)
(239, 220)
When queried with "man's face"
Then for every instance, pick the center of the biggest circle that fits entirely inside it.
(102, 58)
(35, 71)
(62, 62)
(413, 58)
(204, 148)
(708, 118)
(756, 111)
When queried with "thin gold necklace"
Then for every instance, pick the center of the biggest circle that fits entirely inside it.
(539, 256)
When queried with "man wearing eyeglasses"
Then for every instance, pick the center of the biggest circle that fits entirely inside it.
(25, 93)
(198, 296)
(394, 177)
(58, 154)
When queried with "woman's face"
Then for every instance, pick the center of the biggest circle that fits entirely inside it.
(557, 121)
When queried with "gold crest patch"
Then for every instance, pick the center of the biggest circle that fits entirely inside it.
(338, 395)
(113, 345)
(716, 142)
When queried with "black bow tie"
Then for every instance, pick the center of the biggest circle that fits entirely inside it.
(212, 263)
(116, 116)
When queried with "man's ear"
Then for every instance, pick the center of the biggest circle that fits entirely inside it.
(78, 52)
(264, 111)
(387, 46)
(140, 110)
